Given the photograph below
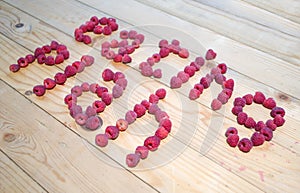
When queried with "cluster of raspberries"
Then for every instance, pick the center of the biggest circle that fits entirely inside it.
(89, 118)
(98, 26)
(263, 131)
(43, 56)
(124, 47)
(61, 77)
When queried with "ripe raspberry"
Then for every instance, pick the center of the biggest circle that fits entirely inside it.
(175, 82)
(152, 143)
(112, 132)
(39, 90)
(239, 102)
(99, 106)
(236, 110)
(118, 58)
(101, 140)
(161, 133)
(195, 65)
(200, 61)
(156, 57)
(130, 116)
(14, 67)
(231, 131)
(194, 94)
(132, 34)
(205, 82)
(271, 125)
(278, 120)
(151, 61)
(160, 115)
(157, 73)
(81, 118)
(153, 108)
(61, 48)
(228, 84)
(118, 75)
(257, 139)
(122, 46)
(108, 74)
(164, 52)
(117, 91)
(223, 97)
(277, 111)
(140, 110)
(59, 59)
(41, 59)
(92, 123)
(38, 51)
(83, 28)
(30, 58)
(259, 125)
(166, 123)
(122, 82)
(103, 21)
(269, 103)
(124, 34)
(153, 98)
(86, 39)
(85, 86)
(98, 29)
(77, 91)
(216, 104)
(79, 66)
(183, 53)
(220, 78)
(75, 109)
(49, 83)
(132, 160)
(142, 151)
(245, 145)
(122, 124)
(250, 123)
(106, 30)
(93, 87)
(114, 43)
(70, 99)
(90, 111)
(147, 70)
(183, 76)
(232, 140)
(107, 98)
(66, 54)
(248, 98)
(70, 71)
(110, 55)
(267, 132)
(259, 97)
(163, 43)
(90, 26)
(241, 118)
(222, 67)
(210, 55)
(54, 45)
(47, 49)
(228, 92)
(126, 59)
(146, 104)
(140, 37)
(60, 78)
(87, 60)
(94, 19)
(161, 93)
(199, 87)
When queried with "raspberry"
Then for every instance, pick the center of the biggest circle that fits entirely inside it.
(114, 43)
(166, 123)
(118, 75)
(157, 73)
(79, 66)
(239, 102)
(140, 37)
(216, 104)
(90, 26)
(122, 82)
(85, 86)
(271, 125)
(90, 111)
(146, 104)
(231, 131)
(236, 110)
(152, 143)
(87, 60)
(156, 57)
(66, 54)
(269, 103)
(215, 71)
(101, 140)
(59, 59)
(77, 91)
(175, 82)
(142, 151)
(107, 30)
(110, 55)
(277, 111)
(161, 133)
(124, 34)
(47, 49)
(99, 106)
(248, 98)
(81, 118)
(41, 59)
(164, 52)
(54, 45)
(126, 59)
(134, 44)
(267, 132)
(39, 90)
(257, 139)
(223, 97)
(228, 92)
(30, 58)
(259, 97)
(151, 61)
(161, 93)
(160, 115)
(117, 91)
(86, 39)
(195, 65)
(183, 53)
(140, 110)
(112, 132)
(259, 125)
(70, 99)
(223, 68)
(93, 87)
(229, 84)
(108, 74)
(118, 58)
(105, 44)
(200, 61)
(60, 48)
(38, 51)
(183, 76)
(130, 116)
(60, 78)
(23, 62)
(98, 29)
(205, 82)
(122, 124)
(49, 83)
(94, 19)
(163, 43)
(220, 78)
(153, 108)
(194, 94)
(70, 71)
(132, 160)
(92, 123)
(241, 118)
(250, 123)
(233, 140)
(122, 45)
(83, 28)
(210, 55)
(103, 21)
(278, 120)
(153, 98)
(75, 109)
(147, 70)
(132, 34)
(14, 67)
(245, 145)
(199, 87)
(107, 98)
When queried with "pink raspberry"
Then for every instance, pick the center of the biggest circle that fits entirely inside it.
(49, 83)
(215, 71)
(41, 59)
(93, 87)
(98, 29)
(70, 99)
(183, 53)
(250, 123)
(39, 90)
(195, 65)
(80, 66)
(228, 92)
(153, 108)
(132, 34)
(60, 78)
(107, 98)
(90, 111)
(85, 86)
(241, 118)
(166, 123)
(114, 43)
(160, 115)
(92, 123)
(267, 132)
(199, 87)
(75, 109)
(248, 98)
(239, 102)
(118, 75)
(269, 103)
(130, 116)
(259, 125)
(156, 57)
(122, 46)
(220, 78)
(132, 160)
(140, 110)
(245, 145)
(200, 61)
(257, 139)
(270, 124)
(210, 55)
(112, 132)
(151, 61)
(101, 140)
(122, 124)
(14, 67)
(130, 49)
(161, 133)
(161, 93)
(236, 110)
(140, 37)
(152, 143)
(205, 82)
(81, 118)
(108, 74)
(77, 91)
(222, 67)
(118, 58)
(183, 76)
(117, 91)
(157, 73)
(23, 62)
(164, 52)
(147, 70)
(278, 120)
(122, 82)
(143, 64)
(259, 97)
(277, 111)
(153, 98)
(163, 43)
(175, 82)
(175, 42)
(99, 106)
(146, 104)
(70, 71)
(216, 104)
(142, 151)
(87, 60)
(59, 59)
(86, 39)
(194, 94)
(223, 97)
(231, 131)
(229, 84)
(126, 59)
(232, 140)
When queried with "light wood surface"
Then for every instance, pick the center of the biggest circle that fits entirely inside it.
(43, 150)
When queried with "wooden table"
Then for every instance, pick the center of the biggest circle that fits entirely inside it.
(43, 150)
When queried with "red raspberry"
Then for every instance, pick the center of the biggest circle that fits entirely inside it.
(236, 110)
(103, 21)
(216, 104)
(98, 29)
(132, 160)
(70, 71)
(161, 133)
(161, 93)
(101, 140)
(49, 83)
(267, 132)
(166, 123)
(194, 94)
(117, 91)
(60, 48)
(87, 60)
(108, 74)
(153, 108)
(118, 58)
(70, 99)
(270, 124)
(195, 65)
(140, 110)
(228, 92)
(223, 97)
(200, 61)
(210, 55)
(222, 67)
(93, 87)
(183, 53)
(239, 102)
(77, 91)
(140, 37)
(83, 28)
(38, 51)
(112, 132)
(250, 123)
(130, 116)
(269, 103)
(278, 120)
(257, 138)
(79, 66)
(50, 61)
(41, 59)
(153, 98)
(99, 106)
(205, 82)
(157, 73)
(75, 109)
(60, 78)
(160, 115)
(245, 145)
(66, 54)
(85, 86)
(126, 59)
(163, 43)
(183, 76)
(130, 49)
(92, 123)
(232, 140)
(231, 131)
(142, 151)
(248, 98)
(113, 26)
(90, 26)
(14, 67)
(30, 58)
(277, 111)
(241, 118)
(190, 70)
(122, 124)
(122, 82)
(54, 45)
(39, 90)
(118, 75)
(147, 70)
(229, 84)
(259, 125)
(259, 97)
(90, 111)
(152, 143)
(86, 39)
(78, 35)
(59, 59)
(47, 49)
(164, 52)
(156, 57)
(107, 30)
(107, 98)
(199, 87)
(146, 104)
(81, 118)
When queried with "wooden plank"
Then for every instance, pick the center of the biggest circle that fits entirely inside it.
(12, 178)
